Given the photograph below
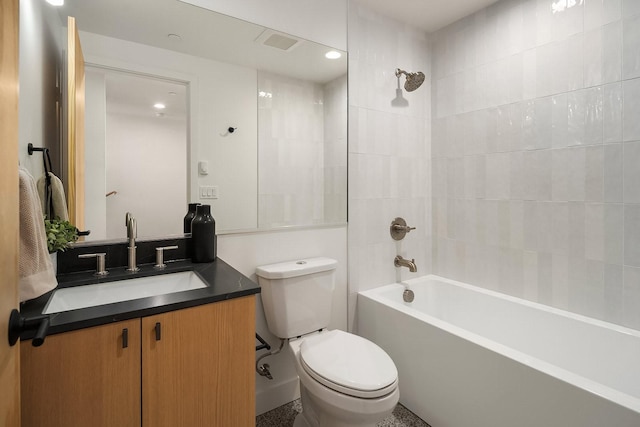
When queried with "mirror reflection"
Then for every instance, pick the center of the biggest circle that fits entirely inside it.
(136, 152)
(282, 165)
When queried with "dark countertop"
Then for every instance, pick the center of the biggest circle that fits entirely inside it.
(224, 282)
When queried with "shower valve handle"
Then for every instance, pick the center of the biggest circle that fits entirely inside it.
(399, 228)
(404, 228)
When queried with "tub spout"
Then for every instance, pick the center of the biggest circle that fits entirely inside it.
(401, 262)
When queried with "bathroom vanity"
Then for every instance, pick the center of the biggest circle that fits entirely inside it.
(184, 358)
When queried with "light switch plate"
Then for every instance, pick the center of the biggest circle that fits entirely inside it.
(208, 192)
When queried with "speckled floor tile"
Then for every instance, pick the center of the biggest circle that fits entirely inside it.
(285, 414)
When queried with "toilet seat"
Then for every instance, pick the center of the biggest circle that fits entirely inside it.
(348, 364)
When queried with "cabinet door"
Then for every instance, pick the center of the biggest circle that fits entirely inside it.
(197, 366)
(83, 378)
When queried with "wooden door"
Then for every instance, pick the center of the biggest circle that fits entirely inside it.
(9, 356)
(75, 126)
(83, 378)
(199, 372)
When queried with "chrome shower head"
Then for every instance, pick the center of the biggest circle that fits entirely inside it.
(414, 80)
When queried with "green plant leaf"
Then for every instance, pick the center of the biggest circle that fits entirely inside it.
(60, 234)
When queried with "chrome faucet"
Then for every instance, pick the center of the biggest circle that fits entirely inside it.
(132, 233)
(401, 262)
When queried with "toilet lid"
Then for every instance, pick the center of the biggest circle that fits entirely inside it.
(349, 364)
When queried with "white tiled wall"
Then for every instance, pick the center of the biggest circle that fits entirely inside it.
(302, 130)
(291, 135)
(389, 150)
(335, 142)
(536, 154)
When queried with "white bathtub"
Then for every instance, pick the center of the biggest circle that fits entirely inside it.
(468, 357)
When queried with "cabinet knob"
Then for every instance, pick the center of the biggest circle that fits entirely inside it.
(158, 329)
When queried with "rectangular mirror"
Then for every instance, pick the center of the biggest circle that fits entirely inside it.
(264, 116)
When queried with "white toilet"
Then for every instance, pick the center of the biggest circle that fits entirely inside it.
(345, 380)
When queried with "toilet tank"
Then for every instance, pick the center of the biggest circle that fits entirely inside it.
(297, 295)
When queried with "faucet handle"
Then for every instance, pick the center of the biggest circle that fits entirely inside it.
(100, 262)
(160, 256)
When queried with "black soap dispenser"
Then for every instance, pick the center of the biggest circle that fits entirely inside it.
(203, 235)
(189, 217)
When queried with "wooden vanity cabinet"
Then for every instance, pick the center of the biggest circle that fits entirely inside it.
(198, 366)
(190, 367)
(83, 378)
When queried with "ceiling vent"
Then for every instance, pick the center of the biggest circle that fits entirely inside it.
(280, 41)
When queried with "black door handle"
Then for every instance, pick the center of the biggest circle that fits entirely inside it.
(19, 324)
(125, 338)
(158, 331)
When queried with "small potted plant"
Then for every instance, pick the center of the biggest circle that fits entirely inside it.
(60, 235)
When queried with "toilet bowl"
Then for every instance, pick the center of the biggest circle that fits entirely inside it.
(345, 380)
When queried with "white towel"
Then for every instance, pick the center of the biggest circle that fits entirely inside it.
(58, 199)
(36, 271)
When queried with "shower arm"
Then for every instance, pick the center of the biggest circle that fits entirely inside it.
(399, 72)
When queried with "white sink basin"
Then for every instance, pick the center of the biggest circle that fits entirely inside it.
(66, 299)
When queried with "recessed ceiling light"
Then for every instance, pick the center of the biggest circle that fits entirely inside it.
(332, 54)
(174, 37)
(56, 2)
(159, 106)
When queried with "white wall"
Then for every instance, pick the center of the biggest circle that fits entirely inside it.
(389, 150)
(535, 154)
(146, 163)
(95, 185)
(220, 95)
(39, 63)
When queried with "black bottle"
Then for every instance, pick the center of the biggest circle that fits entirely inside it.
(203, 235)
(189, 217)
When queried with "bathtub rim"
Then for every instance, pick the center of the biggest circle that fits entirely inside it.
(591, 386)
